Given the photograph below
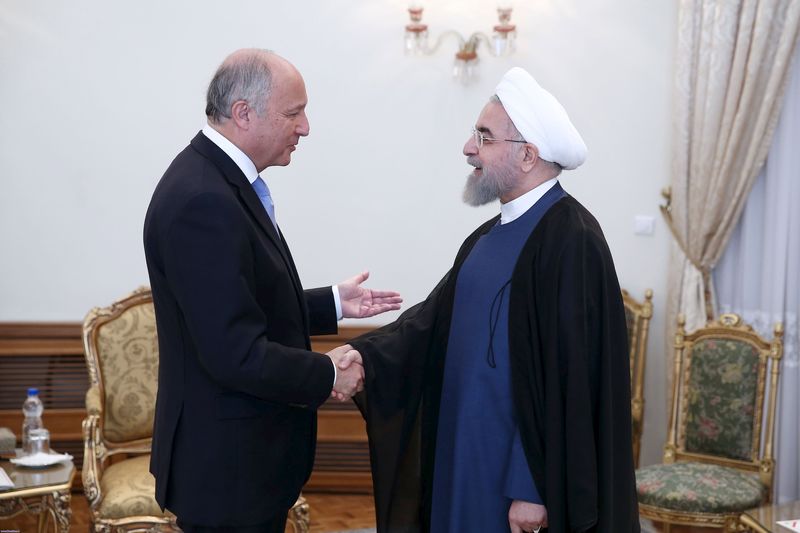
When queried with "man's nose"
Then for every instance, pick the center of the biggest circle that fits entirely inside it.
(470, 147)
(303, 128)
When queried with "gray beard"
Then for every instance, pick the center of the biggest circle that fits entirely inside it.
(479, 191)
(486, 188)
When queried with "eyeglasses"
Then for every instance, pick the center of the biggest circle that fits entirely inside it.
(480, 138)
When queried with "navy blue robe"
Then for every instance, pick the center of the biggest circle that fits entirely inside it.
(480, 465)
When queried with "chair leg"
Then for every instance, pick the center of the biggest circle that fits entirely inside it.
(299, 516)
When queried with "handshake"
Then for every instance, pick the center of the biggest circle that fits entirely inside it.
(349, 372)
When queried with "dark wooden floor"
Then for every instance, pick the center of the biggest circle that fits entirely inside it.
(329, 512)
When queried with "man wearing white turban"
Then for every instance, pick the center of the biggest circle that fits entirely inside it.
(502, 401)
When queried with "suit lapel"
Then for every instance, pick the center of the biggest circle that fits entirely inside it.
(249, 198)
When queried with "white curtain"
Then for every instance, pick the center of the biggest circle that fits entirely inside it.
(731, 71)
(758, 277)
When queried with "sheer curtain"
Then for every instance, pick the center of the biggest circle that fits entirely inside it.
(732, 68)
(758, 276)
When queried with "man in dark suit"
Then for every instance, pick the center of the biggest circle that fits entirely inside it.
(235, 422)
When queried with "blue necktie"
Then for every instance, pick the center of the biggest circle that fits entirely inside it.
(262, 191)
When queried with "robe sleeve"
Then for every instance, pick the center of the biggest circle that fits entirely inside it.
(394, 355)
(594, 363)
(519, 482)
(394, 358)
(578, 321)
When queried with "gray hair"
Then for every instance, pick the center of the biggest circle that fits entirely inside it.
(247, 78)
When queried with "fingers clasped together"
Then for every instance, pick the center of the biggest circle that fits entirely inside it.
(349, 372)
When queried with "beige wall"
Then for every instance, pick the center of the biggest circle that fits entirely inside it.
(99, 97)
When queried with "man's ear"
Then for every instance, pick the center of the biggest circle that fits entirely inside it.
(529, 156)
(241, 114)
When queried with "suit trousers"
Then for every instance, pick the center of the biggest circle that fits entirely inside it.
(276, 525)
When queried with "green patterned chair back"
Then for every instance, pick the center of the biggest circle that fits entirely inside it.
(724, 392)
(122, 355)
(721, 397)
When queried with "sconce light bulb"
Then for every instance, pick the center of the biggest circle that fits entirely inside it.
(415, 12)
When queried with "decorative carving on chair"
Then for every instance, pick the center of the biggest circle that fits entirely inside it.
(299, 516)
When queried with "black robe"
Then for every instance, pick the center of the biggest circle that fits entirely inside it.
(570, 382)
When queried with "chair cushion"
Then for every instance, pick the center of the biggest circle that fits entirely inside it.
(128, 489)
(697, 487)
(128, 354)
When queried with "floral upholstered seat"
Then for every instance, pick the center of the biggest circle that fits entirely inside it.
(699, 487)
(715, 463)
(637, 319)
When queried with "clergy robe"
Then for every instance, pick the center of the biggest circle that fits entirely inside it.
(569, 382)
(479, 463)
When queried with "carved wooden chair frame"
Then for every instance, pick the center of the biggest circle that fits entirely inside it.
(642, 313)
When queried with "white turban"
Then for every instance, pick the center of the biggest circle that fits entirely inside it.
(541, 119)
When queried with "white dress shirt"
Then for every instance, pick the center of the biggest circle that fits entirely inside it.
(516, 207)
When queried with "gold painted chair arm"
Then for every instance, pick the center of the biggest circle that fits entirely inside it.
(93, 459)
(94, 405)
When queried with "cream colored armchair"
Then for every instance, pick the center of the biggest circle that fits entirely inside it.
(121, 348)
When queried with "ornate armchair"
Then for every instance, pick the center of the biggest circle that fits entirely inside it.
(717, 460)
(637, 317)
(121, 348)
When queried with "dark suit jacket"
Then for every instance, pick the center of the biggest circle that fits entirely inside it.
(235, 422)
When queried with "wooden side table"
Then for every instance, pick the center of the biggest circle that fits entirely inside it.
(44, 492)
(765, 519)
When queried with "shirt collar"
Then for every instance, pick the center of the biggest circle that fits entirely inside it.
(240, 158)
(516, 207)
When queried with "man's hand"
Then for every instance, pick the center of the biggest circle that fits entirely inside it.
(358, 302)
(344, 355)
(526, 517)
(350, 372)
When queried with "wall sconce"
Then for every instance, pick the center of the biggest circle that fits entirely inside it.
(502, 42)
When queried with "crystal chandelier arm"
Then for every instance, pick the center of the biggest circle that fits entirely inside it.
(439, 40)
(479, 37)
